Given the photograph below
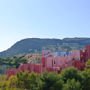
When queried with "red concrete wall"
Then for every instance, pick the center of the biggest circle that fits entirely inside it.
(88, 51)
(83, 55)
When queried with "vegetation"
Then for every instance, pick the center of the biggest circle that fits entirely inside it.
(8, 63)
(72, 85)
(68, 79)
(13, 62)
(87, 69)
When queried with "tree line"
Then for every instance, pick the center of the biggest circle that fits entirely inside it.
(68, 79)
(14, 62)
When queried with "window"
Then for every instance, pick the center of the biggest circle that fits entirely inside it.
(54, 62)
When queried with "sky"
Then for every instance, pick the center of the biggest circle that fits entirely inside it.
(21, 19)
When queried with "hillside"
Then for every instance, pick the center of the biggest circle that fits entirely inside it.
(33, 45)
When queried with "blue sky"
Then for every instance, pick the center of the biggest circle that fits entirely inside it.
(21, 19)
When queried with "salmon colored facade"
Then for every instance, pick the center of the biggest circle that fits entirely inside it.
(56, 62)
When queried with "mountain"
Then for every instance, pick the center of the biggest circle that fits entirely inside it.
(33, 45)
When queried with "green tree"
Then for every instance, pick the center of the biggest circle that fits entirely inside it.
(20, 83)
(85, 80)
(3, 82)
(72, 85)
(51, 81)
(29, 81)
(35, 82)
(70, 73)
(3, 78)
(4, 85)
(12, 82)
(87, 66)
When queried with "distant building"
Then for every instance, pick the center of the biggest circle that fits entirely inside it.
(34, 58)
